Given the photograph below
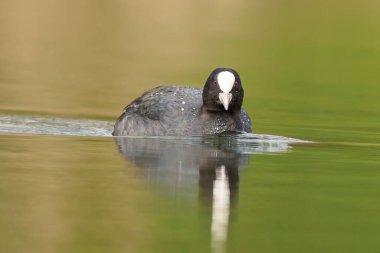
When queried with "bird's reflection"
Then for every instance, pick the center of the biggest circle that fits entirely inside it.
(212, 163)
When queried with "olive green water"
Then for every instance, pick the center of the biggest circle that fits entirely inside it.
(310, 70)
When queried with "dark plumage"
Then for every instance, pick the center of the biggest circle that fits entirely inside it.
(186, 111)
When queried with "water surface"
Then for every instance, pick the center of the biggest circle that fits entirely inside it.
(78, 189)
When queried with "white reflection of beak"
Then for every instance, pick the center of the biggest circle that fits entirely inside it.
(220, 210)
(225, 98)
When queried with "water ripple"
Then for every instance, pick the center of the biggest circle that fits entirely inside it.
(38, 125)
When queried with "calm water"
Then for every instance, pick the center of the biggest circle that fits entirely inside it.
(310, 70)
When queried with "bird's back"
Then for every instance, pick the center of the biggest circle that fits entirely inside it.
(165, 110)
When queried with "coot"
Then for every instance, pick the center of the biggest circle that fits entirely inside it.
(187, 111)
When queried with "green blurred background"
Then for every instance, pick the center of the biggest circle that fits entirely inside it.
(310, 68)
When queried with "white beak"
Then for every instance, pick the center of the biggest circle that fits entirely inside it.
(225, 98)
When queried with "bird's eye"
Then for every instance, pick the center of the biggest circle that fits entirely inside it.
(235, 84)
(215, 82)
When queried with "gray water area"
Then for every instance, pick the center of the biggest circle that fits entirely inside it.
(173, 158)
(166, 159)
